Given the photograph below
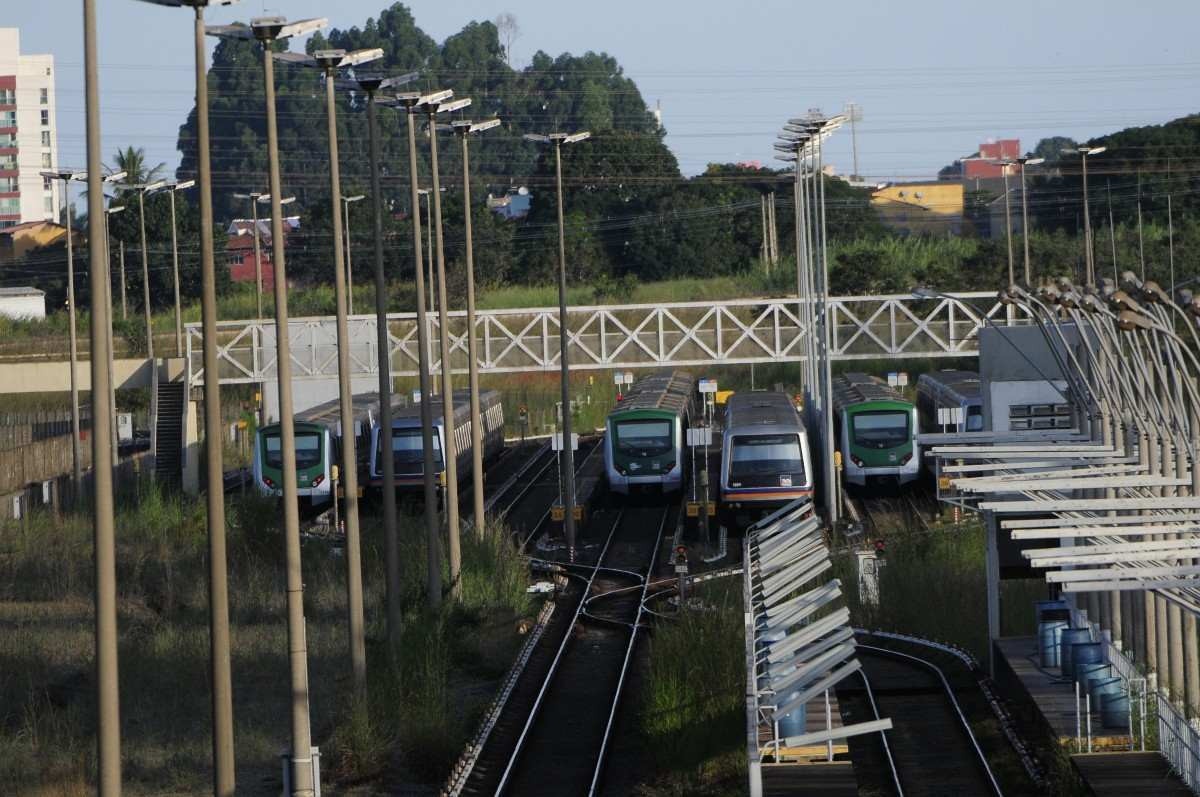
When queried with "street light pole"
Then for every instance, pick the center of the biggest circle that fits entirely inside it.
(412, 103)
(464, 129)
(108, 707)
(1012, 274)
(111, 420)
(224, 782)
(568, 454)
(346, 200)
(1089, 255)
(329, 61)
(174, 187)
(450, 443)
(1025, 215)
(266, 31)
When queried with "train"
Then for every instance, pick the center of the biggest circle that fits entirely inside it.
(408, 455)
(877, 431)
(318, 448)
(950, 390)
(645, 437)
(765, 457)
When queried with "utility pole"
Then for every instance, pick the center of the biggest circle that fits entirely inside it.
(1026, 162)
(108, 719)
(464, 129)
(175, 187)
(567, 471)
(854, 113)
(124, 306)
(329, 62)
(266, 31)
(1089, 254)
(449, 443)
(258, 281)
(142, 190)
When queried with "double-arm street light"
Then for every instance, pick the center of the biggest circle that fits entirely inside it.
(67, 176)
(450, 444)
(172, 188)
(218, 587)
(256, 198)
(329, 62)
(372, 84)
(463, 129)
(1089, 257)
(266, 31)
(568, 454)
(346, 202)
(1004, 164)
(412, 103)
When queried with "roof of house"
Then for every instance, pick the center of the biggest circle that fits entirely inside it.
(26, 291)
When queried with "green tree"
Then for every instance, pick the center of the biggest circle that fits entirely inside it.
(132, 161)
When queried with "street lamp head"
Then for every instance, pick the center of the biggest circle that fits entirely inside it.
(1154, 293)
(1130, 282)
(182, 185)
(111, 209)
(266, 199)
(536, 138)
(1107, 287)
(1123, 301)
(114, 177)
(466, 126)
(448, 107)
(65, 174)
(575, 138)
(267, 29)
(1129, 321)
(789, 157)
(355, 198)
(1024, 161)
(192, 3)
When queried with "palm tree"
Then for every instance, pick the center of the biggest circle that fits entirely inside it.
(132, 161)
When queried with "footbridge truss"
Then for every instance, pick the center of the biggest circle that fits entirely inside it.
(740, 331)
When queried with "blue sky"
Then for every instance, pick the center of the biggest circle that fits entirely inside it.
(933, 78)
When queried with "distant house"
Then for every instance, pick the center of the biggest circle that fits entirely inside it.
(20, 239)
(513, 204)
(239, 249)
(22, 304)
(934, 207)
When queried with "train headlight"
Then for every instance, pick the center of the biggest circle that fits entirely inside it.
(317, 481)
(267, 481)
(904, 459)
(854, 458)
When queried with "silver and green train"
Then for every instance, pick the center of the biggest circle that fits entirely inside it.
(645, 437)
(877, 431)
(318, 448)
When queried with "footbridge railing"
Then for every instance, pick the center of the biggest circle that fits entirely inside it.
(739, 331)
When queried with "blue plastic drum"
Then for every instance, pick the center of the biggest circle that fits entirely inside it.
(1114, 710)
(1049, 638)
(1067, 642)
(1082, 655)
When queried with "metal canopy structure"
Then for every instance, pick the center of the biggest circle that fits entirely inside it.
(740, 331)
(798, 645)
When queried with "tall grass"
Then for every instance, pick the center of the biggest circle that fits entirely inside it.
(693, 706)
(416, 715)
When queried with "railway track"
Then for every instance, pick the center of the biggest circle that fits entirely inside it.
(932, 748)
(555, 730)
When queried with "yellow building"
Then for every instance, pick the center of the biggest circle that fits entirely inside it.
(932, 208)
(21, 239)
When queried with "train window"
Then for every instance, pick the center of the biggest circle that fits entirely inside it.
(643, 438)
(272, 445)
(774, 456)
(308, 450)
(974, 419)
(407, 453)
(880, 429)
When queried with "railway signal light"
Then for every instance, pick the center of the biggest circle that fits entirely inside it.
(880, 547)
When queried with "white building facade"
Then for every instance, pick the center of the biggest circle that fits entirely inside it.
(28, 133)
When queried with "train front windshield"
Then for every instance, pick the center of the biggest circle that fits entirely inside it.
(766, 460)
(308, 450)
(643, 438)
(407, 455)
(881, 430)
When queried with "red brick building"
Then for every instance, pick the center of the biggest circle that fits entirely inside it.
(239, 249)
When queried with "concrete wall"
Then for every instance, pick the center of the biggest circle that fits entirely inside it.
(55, 377)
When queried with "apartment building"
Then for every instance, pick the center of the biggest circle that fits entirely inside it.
(28, 134)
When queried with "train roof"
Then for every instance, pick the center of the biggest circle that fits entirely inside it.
(859, 388)
(746, 411)
(672, 392)
(462, 406)
(966, 385)
(364, 408)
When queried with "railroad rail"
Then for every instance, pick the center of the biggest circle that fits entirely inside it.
(566, 708)
(914, 691)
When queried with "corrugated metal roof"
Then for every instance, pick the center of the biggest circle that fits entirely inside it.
(28, 291)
